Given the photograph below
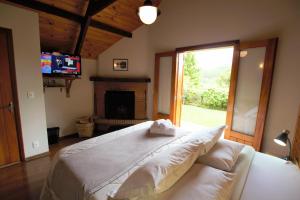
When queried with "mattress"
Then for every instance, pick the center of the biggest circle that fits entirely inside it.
(272, 178)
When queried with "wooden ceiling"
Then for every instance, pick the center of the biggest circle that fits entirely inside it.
(61, 34)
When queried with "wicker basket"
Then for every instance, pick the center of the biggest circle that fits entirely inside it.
(85, 129)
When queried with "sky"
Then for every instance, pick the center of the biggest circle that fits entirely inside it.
(214, 58)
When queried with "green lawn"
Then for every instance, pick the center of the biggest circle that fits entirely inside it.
(202, 116)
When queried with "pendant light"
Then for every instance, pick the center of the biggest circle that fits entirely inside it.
(148, 13)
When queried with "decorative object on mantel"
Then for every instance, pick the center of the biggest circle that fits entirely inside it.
(283, 140)
(54, 82)
(148, 12)
(120, 64)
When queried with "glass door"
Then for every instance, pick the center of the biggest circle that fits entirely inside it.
(164, 86)
(251, 80)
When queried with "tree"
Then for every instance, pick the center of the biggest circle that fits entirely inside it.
(191, 78)
(224, 80)
(191, 71)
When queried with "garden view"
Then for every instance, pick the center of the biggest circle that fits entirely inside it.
(206, 86)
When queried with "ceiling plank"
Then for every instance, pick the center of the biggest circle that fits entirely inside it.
(36, 5)
(93, 8)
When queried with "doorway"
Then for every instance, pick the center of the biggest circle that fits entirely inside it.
(10, 131)
(206, 81)
(246, 100)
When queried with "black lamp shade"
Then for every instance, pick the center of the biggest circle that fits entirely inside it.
(148, 3)
(282, 138)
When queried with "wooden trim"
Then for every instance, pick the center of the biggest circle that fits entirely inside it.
(179, 77)
(253, 44)
(173, 88)
(156, 87)
(15, 92)
(112, 79)
(266, 86)
(207, 46)
(243, 137)
(165, 54)
(296, 143)
(8, 165)
(37, 156)
(43, 7)
(232, 89)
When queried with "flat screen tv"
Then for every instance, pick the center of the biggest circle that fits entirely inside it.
(58, 64)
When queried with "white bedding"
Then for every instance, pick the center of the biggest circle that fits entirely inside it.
(80, 170)
(271, 178)
(258, 176)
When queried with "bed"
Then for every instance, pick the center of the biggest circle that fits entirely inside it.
(91, 169)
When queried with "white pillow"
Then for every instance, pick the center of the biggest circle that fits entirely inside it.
(202, 182)
(223, 155)
(159, 173)
(207, 136)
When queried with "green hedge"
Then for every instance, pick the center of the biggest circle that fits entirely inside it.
(211, 98)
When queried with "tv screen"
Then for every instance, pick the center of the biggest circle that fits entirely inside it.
(57, 64)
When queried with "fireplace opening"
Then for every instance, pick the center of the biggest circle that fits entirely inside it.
(119, 104)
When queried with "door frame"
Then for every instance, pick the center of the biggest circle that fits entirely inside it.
(207, 46)
(13, 79)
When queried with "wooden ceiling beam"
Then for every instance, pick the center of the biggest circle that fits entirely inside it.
(98, 5)
(36, 5)
(93, 8)
(83, 29)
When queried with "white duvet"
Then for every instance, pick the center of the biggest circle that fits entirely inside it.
(200, 182)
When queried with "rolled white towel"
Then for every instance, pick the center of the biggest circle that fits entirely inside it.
(163, 127)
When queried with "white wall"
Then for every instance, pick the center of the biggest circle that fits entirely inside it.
(25, 29)
(62, 111)
(184, 23)
(137, 51)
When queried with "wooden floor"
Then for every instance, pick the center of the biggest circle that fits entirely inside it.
(25, 180)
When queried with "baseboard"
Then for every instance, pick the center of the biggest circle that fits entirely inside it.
(10, 164)
(37, 156)
(73, 135)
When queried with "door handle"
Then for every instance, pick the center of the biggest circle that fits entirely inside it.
(10, 107)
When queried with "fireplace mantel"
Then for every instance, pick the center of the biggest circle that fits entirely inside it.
(116, 79)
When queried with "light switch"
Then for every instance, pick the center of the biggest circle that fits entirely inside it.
(36, 144)
(30, 95)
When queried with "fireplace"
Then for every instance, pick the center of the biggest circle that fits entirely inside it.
(119, 104)
(120, 101)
